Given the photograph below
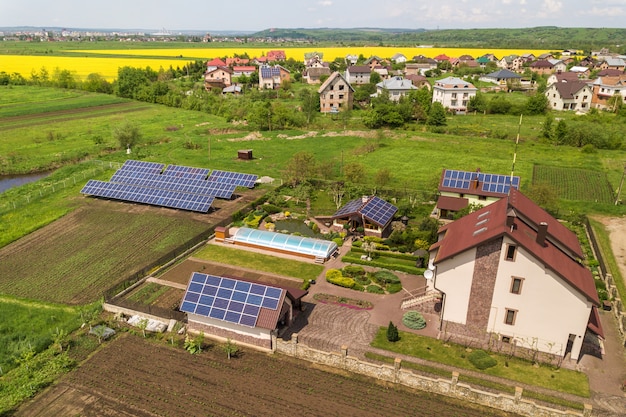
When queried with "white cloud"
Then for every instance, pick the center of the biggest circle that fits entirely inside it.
(325, 3)
(605, 11)
(552, 6)
(522, 2)
(506, 1)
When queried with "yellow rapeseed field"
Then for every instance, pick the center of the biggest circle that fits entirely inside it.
(108, 66)
(330, 53)
(80, 66)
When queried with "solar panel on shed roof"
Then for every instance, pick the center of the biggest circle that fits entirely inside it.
(237, 178)
(228, 299)
(379, 211)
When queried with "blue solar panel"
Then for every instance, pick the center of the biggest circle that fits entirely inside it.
(379, 211)
(180, 171)
(249, 321)
(350, 207)
(138, 194)
(237, 178)
(462, 180)
(173, 183)
(234, 302)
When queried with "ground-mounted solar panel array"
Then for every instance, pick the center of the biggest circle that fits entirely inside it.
(174, 186)
(227, 299)
(492, 183)
(379, 211)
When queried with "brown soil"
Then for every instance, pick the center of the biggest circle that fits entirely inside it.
(131, 376)
(616, 226)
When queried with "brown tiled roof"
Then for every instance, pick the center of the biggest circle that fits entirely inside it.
(611, 72)
(445, 202)
(594, 323)
(542, 63)
(566, 76)
(490, 223)
(569, 89)
(268, 319)
(358, 69)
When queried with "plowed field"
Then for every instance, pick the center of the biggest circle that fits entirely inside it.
(134, 377)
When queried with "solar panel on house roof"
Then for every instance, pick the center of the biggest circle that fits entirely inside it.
(153, 196)
(350, 207)
(493, 183)
(379, 211)
(228, 299)
(237, 178)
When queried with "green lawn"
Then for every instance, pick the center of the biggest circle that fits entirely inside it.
(259, 262)
(513, 369)
(605, 246)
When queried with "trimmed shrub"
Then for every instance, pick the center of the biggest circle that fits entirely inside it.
(481, 360)
(394, 288)
(338, 241)
(392, 333)
(362, 279)
(353, 271)
(271, 209)
(413, 320)
(358, 287)
(374, 289)
(357, 244)
(334, 277)
(385, 277)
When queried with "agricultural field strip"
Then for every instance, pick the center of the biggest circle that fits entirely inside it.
(34, 304)
(126, 369)
(575, 183)
(329, 53)
(19, 122)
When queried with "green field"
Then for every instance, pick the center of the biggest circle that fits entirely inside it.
(90, 250)
(575, 183)
(28, 325)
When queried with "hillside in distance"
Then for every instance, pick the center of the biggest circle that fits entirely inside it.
(545, 37)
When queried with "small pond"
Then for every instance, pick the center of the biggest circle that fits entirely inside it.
(10, 181)
(295, 226)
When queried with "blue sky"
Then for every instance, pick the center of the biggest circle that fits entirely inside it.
(253, 15)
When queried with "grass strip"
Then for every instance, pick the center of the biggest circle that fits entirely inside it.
(477, 382)
(604, 241)
(511, 368)
(260, 262)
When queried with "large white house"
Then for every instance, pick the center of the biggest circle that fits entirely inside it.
(572, 95)
(397, 87)
(510, 274)
(453, 93)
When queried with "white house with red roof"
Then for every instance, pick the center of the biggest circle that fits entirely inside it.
(510, 275)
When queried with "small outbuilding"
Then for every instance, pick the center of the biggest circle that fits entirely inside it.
(233, 308)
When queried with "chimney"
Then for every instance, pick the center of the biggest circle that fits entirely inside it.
(510, 218)
(542, 232)
(365, 199)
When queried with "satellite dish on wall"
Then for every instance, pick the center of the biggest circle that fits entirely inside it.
(428, 274)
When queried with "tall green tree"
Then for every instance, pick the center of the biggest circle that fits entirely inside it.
(436, 115)
(300, 168)
(127, 134)
(310, 104)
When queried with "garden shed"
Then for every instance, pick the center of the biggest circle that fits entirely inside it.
(246, 311)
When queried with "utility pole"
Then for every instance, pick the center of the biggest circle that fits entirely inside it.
(619, 189)
(519, 128)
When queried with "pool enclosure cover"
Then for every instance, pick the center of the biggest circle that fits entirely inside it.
(297, 244)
